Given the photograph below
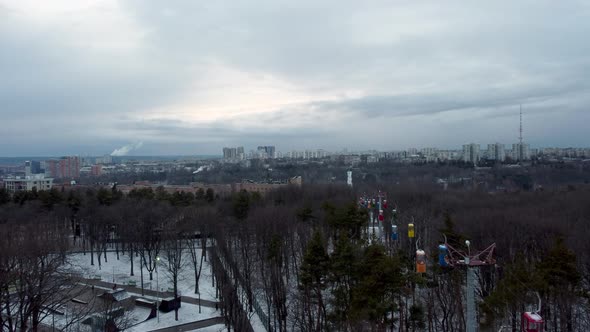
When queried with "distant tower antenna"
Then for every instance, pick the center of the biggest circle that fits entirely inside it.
(520, 151)
(520, 137)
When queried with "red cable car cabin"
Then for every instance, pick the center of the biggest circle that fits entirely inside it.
(532, 322)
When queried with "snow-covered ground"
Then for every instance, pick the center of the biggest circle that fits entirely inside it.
(214, 328)
(136, 316)
(256, 323)
(186, 314)
(118, 272)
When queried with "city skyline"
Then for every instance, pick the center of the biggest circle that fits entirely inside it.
(188, 78)
(497, 150)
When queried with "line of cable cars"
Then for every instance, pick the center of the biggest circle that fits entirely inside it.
(530, 321)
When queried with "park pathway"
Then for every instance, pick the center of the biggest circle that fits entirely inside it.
(193, 325)
(153, 293)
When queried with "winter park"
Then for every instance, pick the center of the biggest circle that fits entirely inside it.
(303, 166)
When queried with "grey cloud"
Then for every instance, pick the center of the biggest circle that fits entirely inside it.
(44, 77)
(405, 59)
(425, 104)
(327, 40)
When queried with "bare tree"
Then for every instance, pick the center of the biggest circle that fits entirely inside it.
(35, 279)
(195, 224)
(172, 257)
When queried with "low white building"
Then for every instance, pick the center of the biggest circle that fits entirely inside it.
(27, 183)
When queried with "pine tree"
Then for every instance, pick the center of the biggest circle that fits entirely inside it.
(379, 281)
(241, 205)
(348, 219)
(343, 267)
(511, 294)
(455, 239)
(312, 281)
(161, 194)
(104, 197)
(559, 280)
(4, 196)
(209, 195)
(417, 317)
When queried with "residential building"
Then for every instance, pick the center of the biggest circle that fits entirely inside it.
(266, 151)
(63, 168)
(28, 183)
(427, 152)
(496, 151)
(234, 154)
(33, 167)
(471, 153)
(96, 170)
(218, 189)
(533, 152)
(229, 153)
(430, 154)
(106, 159)
(372, 159)
(240, 153)
(521, 151)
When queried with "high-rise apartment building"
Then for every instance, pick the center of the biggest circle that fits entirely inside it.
(63, 168)
(471, 153)
(229, 153)
(496, 151)
(234, 154)
(33, 167)
(521, 151)
(266, 151)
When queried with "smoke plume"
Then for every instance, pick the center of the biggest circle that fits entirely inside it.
(124, 150)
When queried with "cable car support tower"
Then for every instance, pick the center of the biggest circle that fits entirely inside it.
(471, 261)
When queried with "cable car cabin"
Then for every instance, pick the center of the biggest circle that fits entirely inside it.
(393, 232)
(532, 322)
(420, 261)
(411, 230)
(381, 215)
(443, 251)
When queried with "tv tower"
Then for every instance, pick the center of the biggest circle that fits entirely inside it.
(520, 144)
(520, 131)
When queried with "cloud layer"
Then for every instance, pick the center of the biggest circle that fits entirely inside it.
(187, 77)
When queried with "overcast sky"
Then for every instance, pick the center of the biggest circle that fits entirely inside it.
(189, 77)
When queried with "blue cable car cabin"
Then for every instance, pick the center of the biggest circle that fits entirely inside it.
(394, 232)
(443, 251)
